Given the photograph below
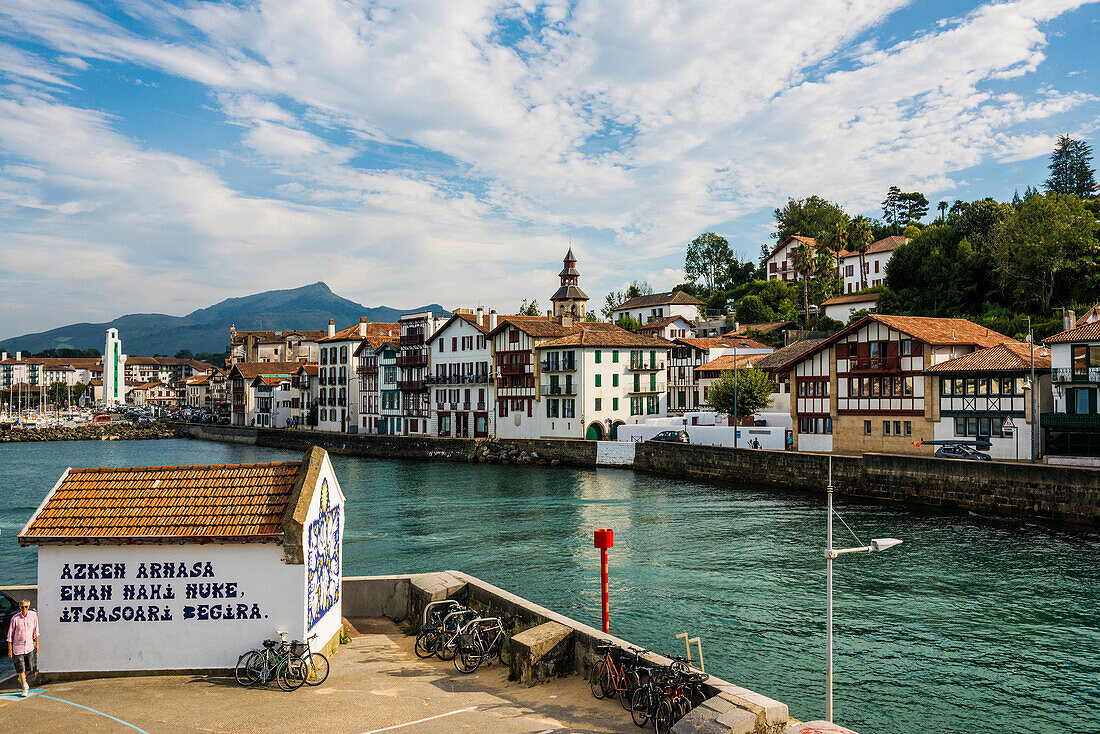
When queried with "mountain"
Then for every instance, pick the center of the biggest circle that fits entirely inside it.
(207, 329)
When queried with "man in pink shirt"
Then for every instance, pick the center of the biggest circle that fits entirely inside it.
(23, 642)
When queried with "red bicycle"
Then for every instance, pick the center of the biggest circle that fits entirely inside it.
(617, 677)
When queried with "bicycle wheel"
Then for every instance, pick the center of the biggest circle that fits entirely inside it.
(640, 704)
(469, 657)
(630, 684)
(258, 667)
(662, 718)
(426, 643)
(242, 672)
(292, 672)
(317, 673)
(598, 675)
(445, 648)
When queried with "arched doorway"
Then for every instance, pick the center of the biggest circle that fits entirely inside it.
(595, 431)
(615, 429)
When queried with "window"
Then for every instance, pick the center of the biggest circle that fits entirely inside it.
(343, 354)
(615, 378)
(867, 428)
(615, 355)
(599, 404)
(551, 408)
(568, 409)
(614, 403)
(1080, 359)
(1080, 401)
(907, 387)
(906, 347)
(651, 405)
(513, 336)
(897, 428)
(853, 349)
(598, 380)
(599, 356)
(886, 428)
(324, 356)
(442, 345)
(908, 428)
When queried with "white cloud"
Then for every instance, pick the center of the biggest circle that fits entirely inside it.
(636, 123)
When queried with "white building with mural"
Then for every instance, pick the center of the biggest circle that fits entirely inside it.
(185, 568)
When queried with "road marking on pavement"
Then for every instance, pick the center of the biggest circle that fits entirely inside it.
(86, 708)
(420, 721)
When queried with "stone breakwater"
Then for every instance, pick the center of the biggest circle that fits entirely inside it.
(112, 432)
(492, 452)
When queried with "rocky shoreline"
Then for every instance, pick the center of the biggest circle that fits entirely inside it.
(112, 432)
(492, 452)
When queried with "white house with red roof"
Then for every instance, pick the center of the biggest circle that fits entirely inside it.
(875, 260)
(653, 306)
(778, 265)
(669, 327)
(460, 383)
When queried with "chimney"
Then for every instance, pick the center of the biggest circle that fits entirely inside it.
(362, 326)
(3, 356)
(18, 356)
(492, 320)
(549, 314)
(479, 313)
(567, 321)
(332, 327)
(1069, 320)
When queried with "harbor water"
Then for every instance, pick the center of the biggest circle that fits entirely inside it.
(973, 624)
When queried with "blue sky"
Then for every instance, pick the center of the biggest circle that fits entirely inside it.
(160, 156)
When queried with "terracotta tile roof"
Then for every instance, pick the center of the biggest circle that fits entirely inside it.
(537, 326)
(250, 370)
(781, 359)
(729, 362)
(886, 244)
(1005, 357)
(310, 369)
(1087, 333)
(147, 385)
(660, 299)
(471, 319)
(936, 331)
(271, 379)
(244, 501)
(767, 327)
(613, 337)
(1093, 314)
(719, 342)
(798, 238)
(855, 298)
(373, 328)
(658, 324)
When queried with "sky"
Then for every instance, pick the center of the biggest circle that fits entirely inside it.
(161, 156)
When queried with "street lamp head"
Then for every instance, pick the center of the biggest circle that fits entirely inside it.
(880, 544)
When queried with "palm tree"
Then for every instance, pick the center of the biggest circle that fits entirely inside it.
(943, 210)
(836, 242)
(859, 240)
(804, 262)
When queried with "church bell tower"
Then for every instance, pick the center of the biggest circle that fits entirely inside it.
(569, 299)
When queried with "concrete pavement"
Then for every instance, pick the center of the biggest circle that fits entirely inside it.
(376, 685)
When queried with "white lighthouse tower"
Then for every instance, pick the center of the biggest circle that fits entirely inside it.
(114, 370)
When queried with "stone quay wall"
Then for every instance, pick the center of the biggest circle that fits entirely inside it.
(1015, 489)
(106, 432)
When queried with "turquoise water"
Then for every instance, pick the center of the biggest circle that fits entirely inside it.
(974, 624)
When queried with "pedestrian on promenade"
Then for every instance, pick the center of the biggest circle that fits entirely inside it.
(23, 642)
(790, 442)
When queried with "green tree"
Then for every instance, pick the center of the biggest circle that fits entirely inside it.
(185, 354)
(836, 242)
(613, 301)
(810, 216)
(753, 310)
(942, 206)
(1042, 239)
(804, 262)
(708, 260)
(628, 322)
(529, 308)
(892, 207)
(750, 391)
(859, 241)
(1070, 169)
(57, 393)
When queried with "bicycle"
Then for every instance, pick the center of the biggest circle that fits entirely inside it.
(445, 617)
(450, 628)
(276, 660)
(317, 670)
(617, 677)
(473, 647)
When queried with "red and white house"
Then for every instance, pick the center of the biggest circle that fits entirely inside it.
(779, 263)
(152, 393)
(459, 376)
(669, 327)
(874, 260)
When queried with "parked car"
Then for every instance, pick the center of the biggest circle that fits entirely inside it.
(672, 437)
(961, 451)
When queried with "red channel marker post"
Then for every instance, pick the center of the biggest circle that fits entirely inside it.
(604, 539)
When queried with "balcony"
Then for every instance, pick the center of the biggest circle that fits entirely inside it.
(558, 390)
(873, 364)
(476, 379)
(514, 369)
(415, 412)
(367, 369)
(1068, 374)
(647, 390)
(1067, 422)
(413, 358)
(558, 366)
(410, 385)
(479, 406)
(412, 339)
(640, 365)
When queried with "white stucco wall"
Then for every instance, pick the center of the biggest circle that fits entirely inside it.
(255, 583)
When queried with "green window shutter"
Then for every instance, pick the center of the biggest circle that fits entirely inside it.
(597, 380)
(652, 381)
(598, 355)
(653, 359)
(637, 383)
(615, 355)
(615, 380)
(599, 403)
(614, 403)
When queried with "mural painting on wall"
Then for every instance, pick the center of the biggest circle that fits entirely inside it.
(323, 559)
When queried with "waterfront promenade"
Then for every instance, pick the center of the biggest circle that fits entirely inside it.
(376, 684)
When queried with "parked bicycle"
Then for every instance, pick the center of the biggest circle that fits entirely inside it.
(617, 674)
(276, 660)
(317, 663)
(666, 694)
(479, 641)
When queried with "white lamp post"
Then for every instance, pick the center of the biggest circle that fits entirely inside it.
(877, 544)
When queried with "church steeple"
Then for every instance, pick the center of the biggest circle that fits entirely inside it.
(569, 300)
